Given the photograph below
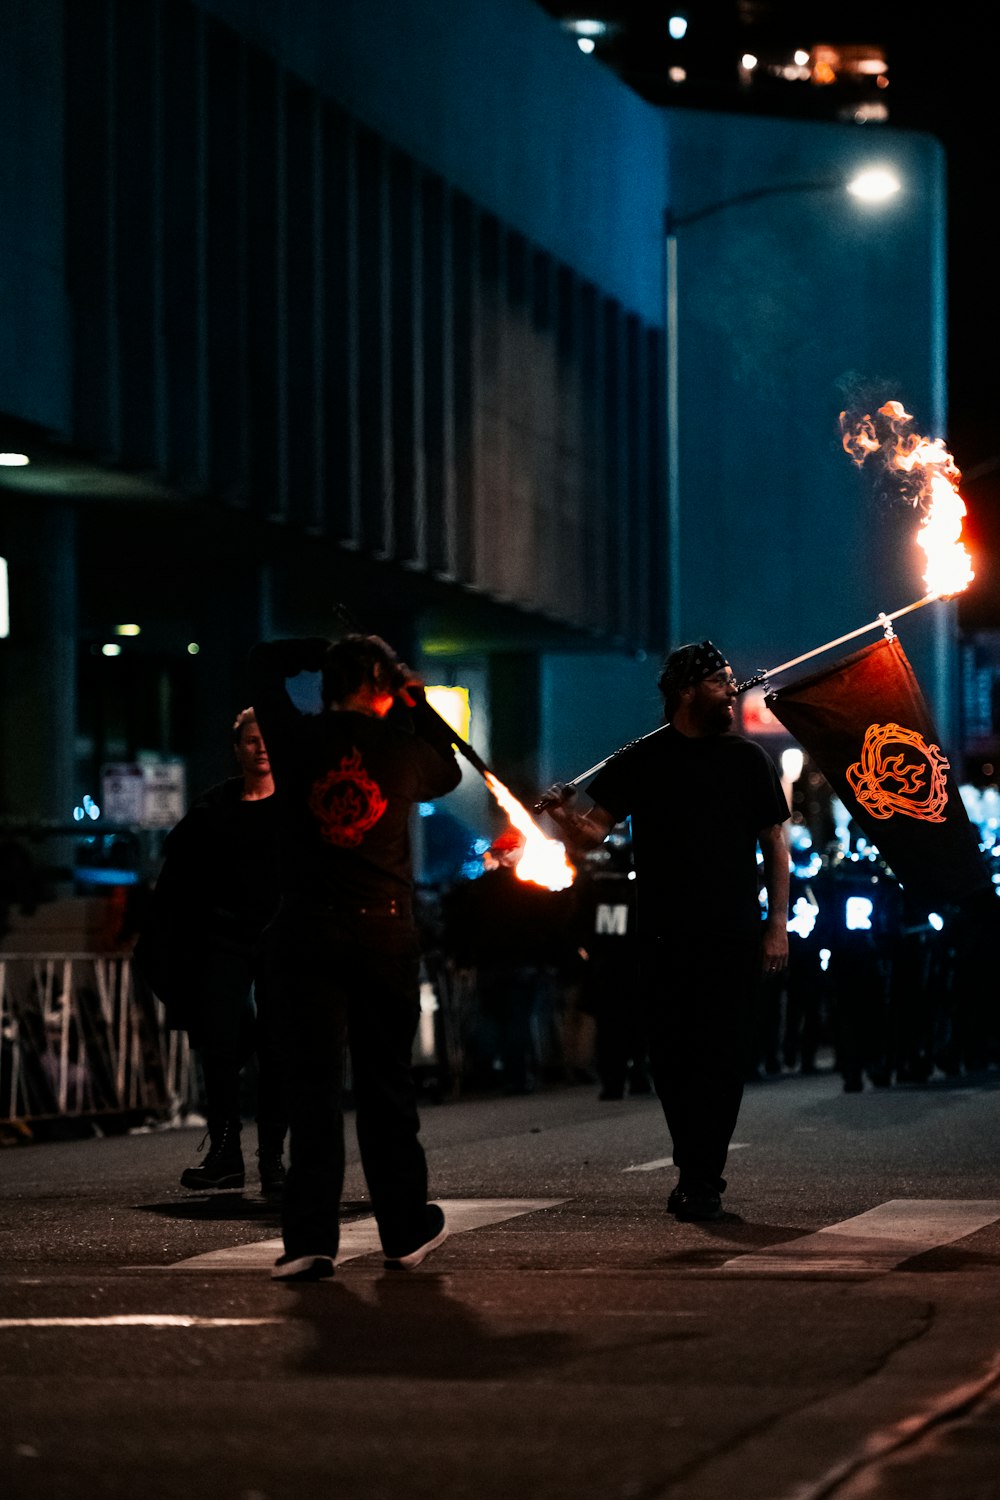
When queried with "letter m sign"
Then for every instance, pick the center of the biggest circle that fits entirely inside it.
(612, 920)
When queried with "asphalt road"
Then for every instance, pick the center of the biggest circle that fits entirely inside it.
(837, 1333)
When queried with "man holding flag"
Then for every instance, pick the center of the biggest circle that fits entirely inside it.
(701, 800)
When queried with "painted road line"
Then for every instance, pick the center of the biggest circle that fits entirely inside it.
(668, 1161)
(877, 1240)
(361, 1236)
(138, 1320)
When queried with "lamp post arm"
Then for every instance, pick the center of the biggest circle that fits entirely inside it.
(672, 222)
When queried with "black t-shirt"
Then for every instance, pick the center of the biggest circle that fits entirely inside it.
(346, 784)
(220, 865)
(696, 805)
(216, 891)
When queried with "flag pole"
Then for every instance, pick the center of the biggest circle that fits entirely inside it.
(883, 621)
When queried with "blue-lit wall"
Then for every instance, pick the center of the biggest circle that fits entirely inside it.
(791, 309)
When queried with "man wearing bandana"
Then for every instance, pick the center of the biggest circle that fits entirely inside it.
(701, 800)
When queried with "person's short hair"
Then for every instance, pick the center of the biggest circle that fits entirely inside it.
(357, 661)
(686, 667)
(243, 718)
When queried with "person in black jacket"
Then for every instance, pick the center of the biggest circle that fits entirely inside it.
(605, 904)
(200, 952)
(702, 801)
(344, 942)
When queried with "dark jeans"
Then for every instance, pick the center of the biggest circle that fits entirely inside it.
(349, 982)
(509, 998)
(699, 1006)
(613, 996)
(236, 1019)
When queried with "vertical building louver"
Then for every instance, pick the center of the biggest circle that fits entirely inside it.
(278, 311)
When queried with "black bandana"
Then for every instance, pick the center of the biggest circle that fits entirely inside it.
(691, 664)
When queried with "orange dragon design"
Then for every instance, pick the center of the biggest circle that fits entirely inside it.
(899, 772)
(346, 803)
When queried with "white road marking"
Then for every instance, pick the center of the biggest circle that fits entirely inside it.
(361, 1236)
(138, 1320)
(668, 1161)
(877, 1240)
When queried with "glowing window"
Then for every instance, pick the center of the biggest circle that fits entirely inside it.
(452, 703)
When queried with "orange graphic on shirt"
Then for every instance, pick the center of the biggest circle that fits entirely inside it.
(346, 803)
(900, 773)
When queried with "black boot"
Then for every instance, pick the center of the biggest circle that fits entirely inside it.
(270, 1144)
(223, 1166)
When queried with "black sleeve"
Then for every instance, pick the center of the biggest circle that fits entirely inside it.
(772, 805)
(612, 787)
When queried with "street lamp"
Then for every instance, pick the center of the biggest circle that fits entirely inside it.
(874, 184)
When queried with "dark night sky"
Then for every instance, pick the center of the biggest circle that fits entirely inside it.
(943, 70)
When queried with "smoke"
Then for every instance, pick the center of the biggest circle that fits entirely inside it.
(906, 463)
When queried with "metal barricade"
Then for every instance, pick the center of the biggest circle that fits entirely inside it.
(79, 1037)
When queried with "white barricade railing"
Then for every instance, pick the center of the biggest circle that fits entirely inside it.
(78, 1036)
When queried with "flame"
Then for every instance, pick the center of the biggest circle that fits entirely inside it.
(543, 860)
(933, 491)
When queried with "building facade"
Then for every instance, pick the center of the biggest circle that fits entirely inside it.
(319, 311)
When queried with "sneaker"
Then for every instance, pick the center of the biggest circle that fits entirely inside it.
(222, 1167)
(436, 1233)
(302, 1268)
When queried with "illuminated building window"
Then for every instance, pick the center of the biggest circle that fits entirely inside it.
(452, 703)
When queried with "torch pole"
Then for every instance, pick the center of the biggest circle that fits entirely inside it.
(464, 748)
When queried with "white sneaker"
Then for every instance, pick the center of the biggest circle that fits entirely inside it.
(302, 1268)
(437, 1233)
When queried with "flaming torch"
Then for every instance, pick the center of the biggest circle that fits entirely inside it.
(927, 478)
(933, 491)
(542, 860)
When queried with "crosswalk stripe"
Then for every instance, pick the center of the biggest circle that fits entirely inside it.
(877, 1240)
(360, 1237)
(138, 1320)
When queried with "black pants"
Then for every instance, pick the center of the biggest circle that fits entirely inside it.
(349, 982)
(699, 1007)
(236, 1019)
(613, 996)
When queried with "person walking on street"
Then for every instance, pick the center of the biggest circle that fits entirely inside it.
(702, 800)
(200, 951)
(610, 988)
(344, 943)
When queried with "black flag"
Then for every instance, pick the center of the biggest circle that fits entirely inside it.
(866, 724)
